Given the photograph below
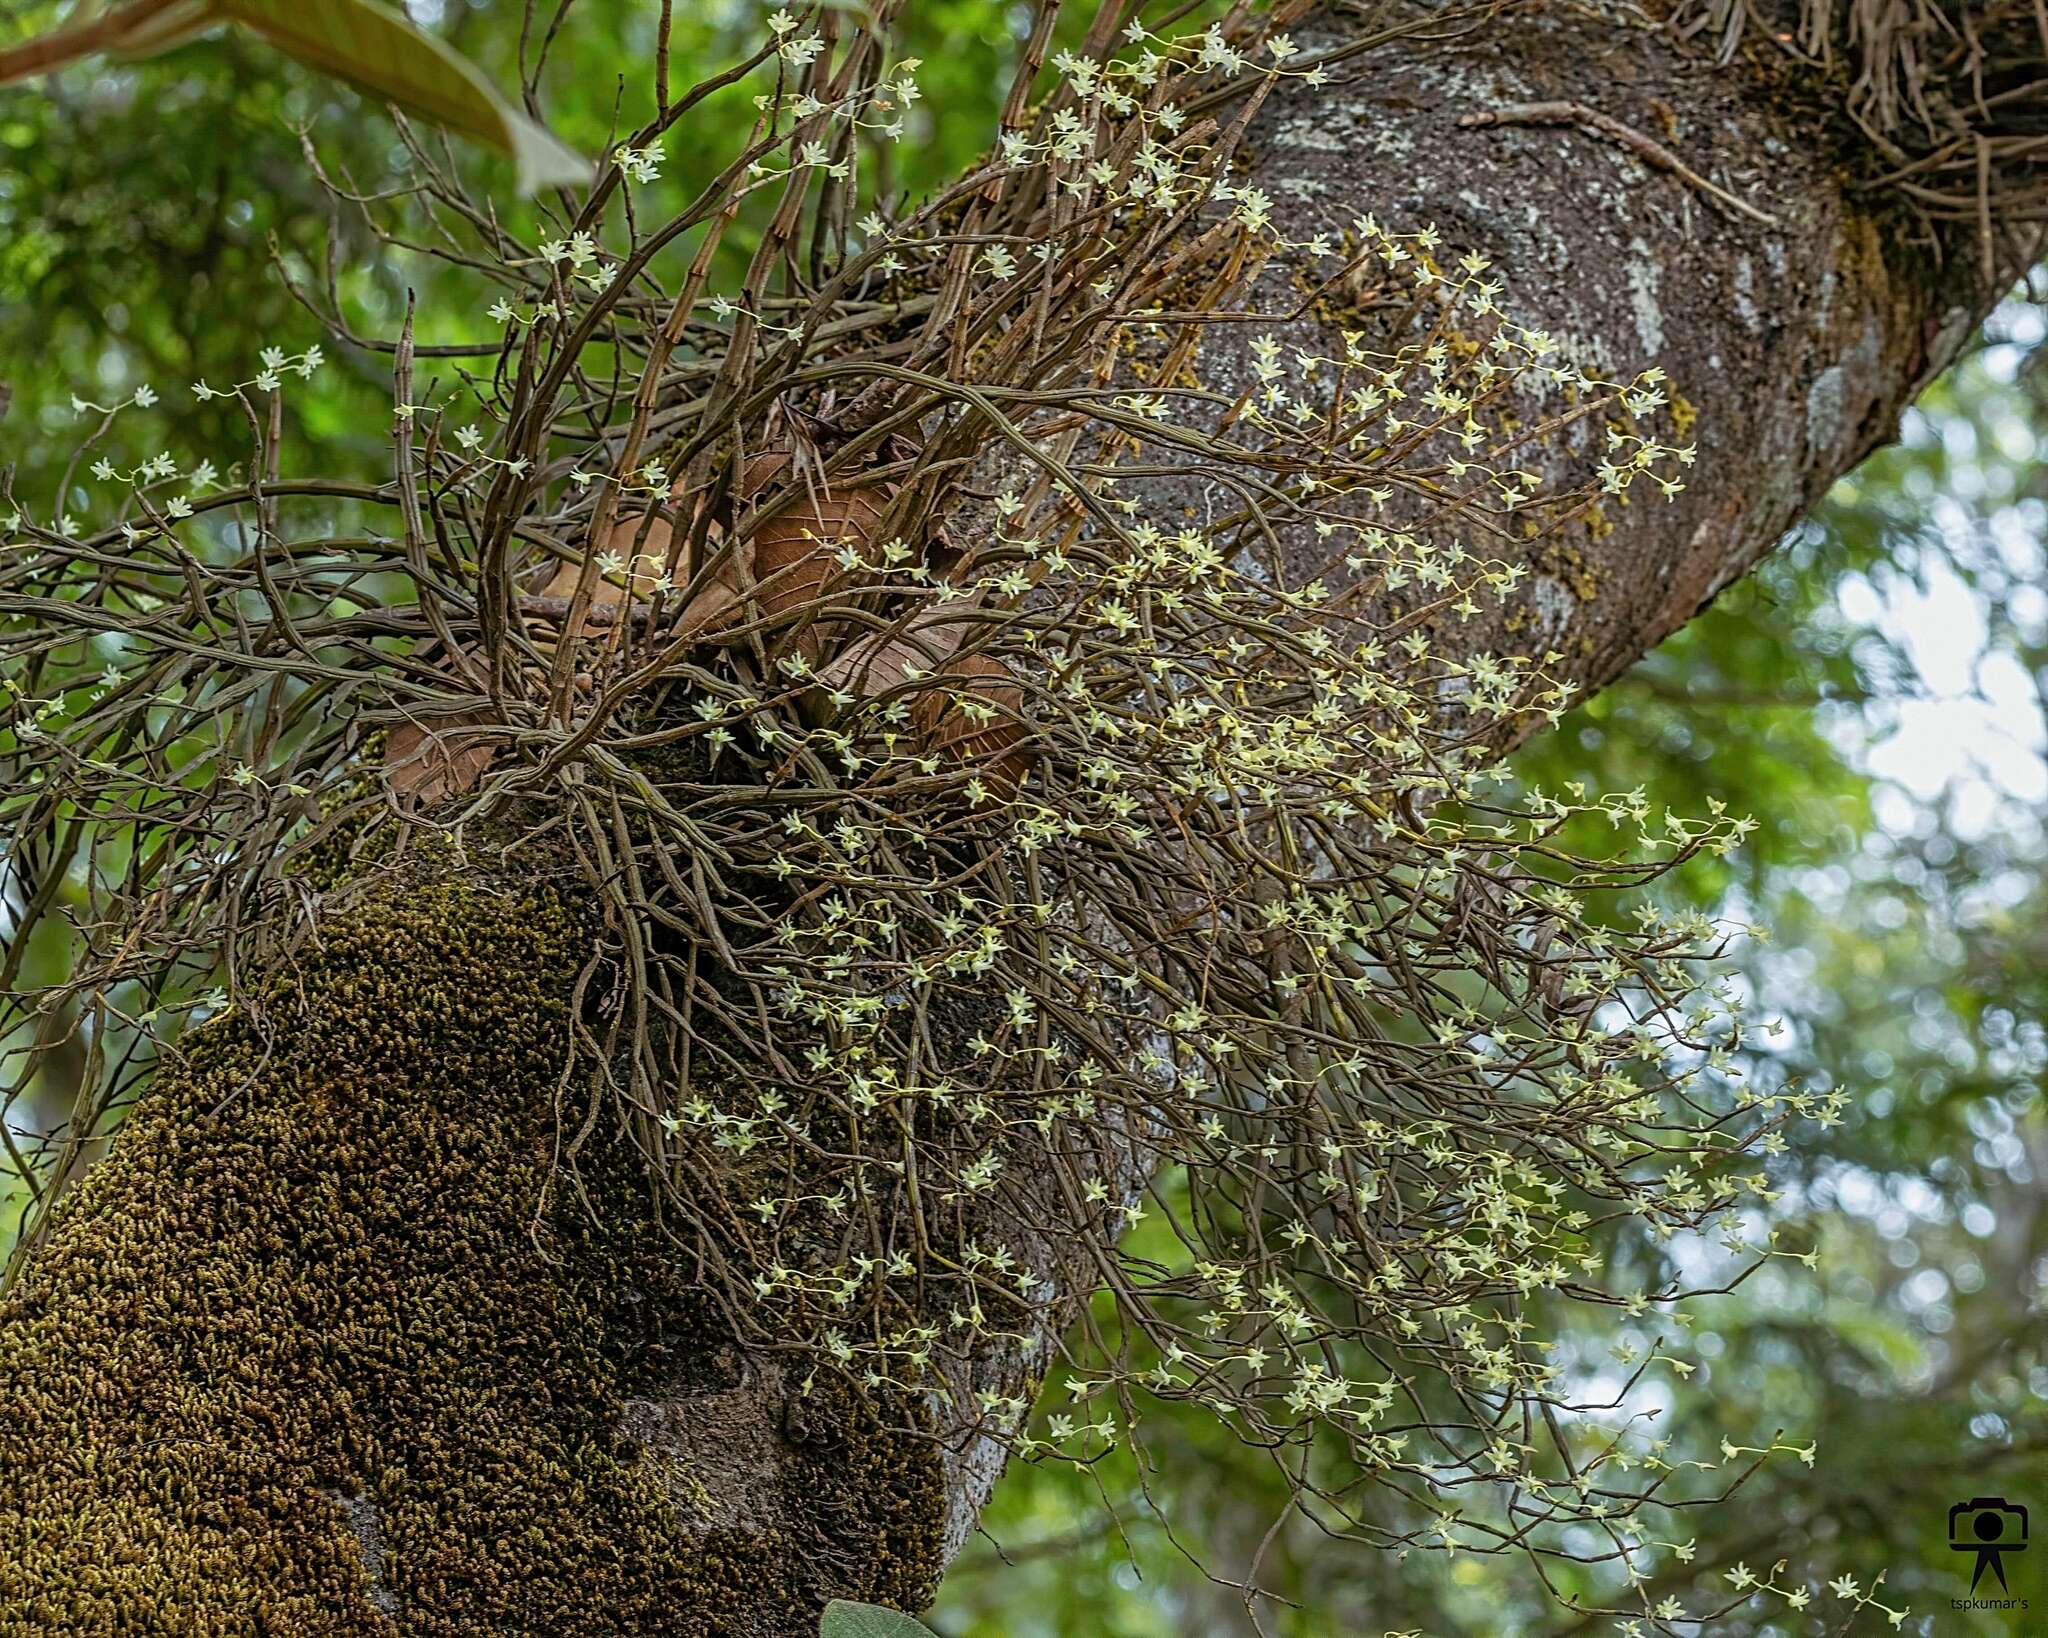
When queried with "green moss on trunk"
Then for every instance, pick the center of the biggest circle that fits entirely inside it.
(319, 1349)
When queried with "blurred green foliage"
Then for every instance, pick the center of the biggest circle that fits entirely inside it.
(148, 212)
(1845, 696)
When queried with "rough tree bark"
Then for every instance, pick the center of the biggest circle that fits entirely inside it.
(324, 1347)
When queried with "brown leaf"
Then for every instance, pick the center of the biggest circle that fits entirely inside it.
(790, 556)
(946, 683)
(646, 566)
(993, 745)
(429, 765)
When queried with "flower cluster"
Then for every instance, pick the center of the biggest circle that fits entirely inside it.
(1041, 776)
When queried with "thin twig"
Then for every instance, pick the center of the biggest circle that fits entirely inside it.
(1654, 154)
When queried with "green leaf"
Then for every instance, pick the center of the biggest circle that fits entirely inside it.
(144, 34)
(844, 1619)
(363, 42)
(379, 51)
(136, 29)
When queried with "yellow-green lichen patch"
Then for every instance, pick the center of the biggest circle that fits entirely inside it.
(318, 1349)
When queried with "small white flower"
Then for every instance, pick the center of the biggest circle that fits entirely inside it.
(639, 164)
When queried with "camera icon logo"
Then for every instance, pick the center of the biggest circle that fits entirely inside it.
(1990, 1527)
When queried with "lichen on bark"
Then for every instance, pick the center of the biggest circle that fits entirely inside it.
(323, 1348)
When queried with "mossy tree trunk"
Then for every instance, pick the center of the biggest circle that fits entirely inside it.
(326, 1345)
(325, 1350)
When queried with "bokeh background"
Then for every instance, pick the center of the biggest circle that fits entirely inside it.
(1877, 696)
